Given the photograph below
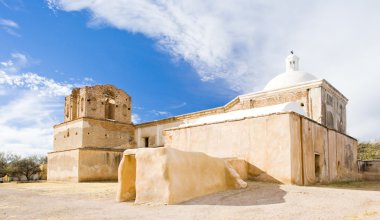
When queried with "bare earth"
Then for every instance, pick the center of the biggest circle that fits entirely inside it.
(259, 201)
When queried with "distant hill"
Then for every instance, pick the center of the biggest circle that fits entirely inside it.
(369, 150)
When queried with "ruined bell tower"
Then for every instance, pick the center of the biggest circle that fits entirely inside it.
(97, 128)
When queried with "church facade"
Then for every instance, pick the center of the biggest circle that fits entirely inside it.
(294, 132)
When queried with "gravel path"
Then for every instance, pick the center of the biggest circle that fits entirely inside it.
(257, 201)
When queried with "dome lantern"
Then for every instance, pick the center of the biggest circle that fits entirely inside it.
(292, 62)
(292, 75)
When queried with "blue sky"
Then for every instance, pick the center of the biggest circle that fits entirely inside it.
(63, 47)
(175, 57)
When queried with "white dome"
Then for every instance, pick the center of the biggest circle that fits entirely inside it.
(289, 79)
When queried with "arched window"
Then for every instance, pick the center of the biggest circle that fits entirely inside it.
(81, 104)
(110, 109)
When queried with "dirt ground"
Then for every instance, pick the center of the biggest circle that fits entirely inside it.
(359, 200)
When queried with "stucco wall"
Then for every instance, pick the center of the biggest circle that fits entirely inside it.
(110, 134)
(323, 155)
(154, 133)
(98, 165)
(83, 165)
(87, 132)
(168, 176)
(279, 147)
(63, 166)
(321, 101)
(264, 142)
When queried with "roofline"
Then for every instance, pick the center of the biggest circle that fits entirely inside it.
(310, 84)
(222, 109)
(259, 116)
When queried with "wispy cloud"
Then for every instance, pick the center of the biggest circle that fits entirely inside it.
(8, 23)
(16, 62)
(9, 26)
(10, 76)
(183, 104)
(244, 42)
(12, 4)
(160, 113)
(31, 105)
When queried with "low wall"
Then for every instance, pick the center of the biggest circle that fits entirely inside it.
(370, 169)
(169, 176)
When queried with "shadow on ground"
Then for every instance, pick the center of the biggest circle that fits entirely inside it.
(255, 194)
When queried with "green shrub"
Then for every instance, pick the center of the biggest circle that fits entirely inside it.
(368, 150)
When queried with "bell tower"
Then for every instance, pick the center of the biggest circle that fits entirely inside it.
(97, 128)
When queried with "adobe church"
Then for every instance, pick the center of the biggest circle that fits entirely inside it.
(292, 132)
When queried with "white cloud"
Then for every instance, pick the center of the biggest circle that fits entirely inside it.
(31, 105)
(15, 63)
(10, 76)
(183, 104)
(35, 82)
(244, 42)
(26, 123)
(160, 113)
(136, 118)
(9, 26)
(8, 23)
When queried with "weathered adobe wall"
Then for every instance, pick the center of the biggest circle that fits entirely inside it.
(273, 147)
(63, 166)
(153, 133)
(321, 101)
(264, 142)
(333, 110)
(87, 132)
(98, 165)
(169, 176)
(83, 165)
(97, 102)
(370, 169)
(299, 95)
(323, 155)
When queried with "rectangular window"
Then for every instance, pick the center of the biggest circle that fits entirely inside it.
(317, 166)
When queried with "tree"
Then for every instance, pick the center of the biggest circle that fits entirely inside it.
(369, 150)
(27, 166)
(3, 164)
(42, 159)
(14, 165)
(6, 161)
